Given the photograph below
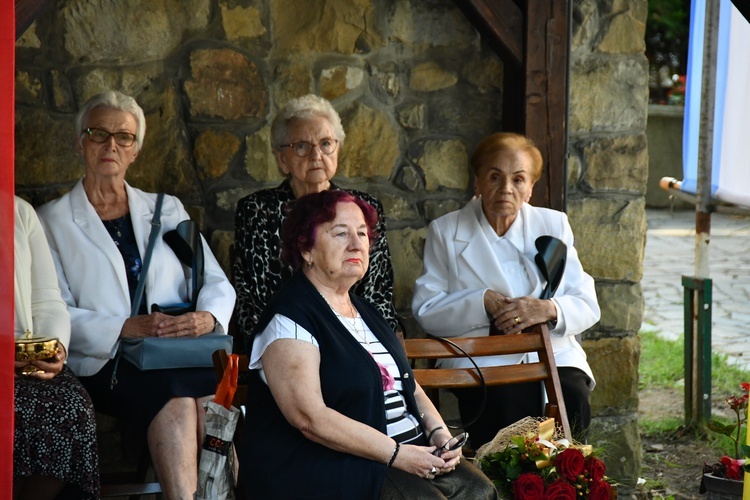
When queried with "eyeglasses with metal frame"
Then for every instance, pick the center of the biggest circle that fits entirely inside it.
(454, 443)
(100, 136)
(302, 149)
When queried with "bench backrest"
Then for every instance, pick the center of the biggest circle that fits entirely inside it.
(533, 340)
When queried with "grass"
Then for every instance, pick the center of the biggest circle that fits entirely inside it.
(662, 366)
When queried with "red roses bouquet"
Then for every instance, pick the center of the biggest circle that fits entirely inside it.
(533, 469)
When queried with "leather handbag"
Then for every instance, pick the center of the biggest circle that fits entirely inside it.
(161, 353)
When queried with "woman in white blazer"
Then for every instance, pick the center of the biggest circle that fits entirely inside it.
(98, 233)
(479, 268)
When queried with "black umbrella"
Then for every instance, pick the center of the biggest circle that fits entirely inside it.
(551, 261)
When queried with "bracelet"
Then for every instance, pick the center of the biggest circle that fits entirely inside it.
(429, 436)
(395, 452)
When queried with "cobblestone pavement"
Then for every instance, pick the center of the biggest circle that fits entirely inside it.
(670, 254)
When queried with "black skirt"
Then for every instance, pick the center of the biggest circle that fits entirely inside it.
(55, 432)
(139, 395)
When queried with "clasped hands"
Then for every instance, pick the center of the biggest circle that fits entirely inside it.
(513, 315)
(157, 324)
(429, 461)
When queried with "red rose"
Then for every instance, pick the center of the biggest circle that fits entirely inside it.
(596, 468)
(600, 491)
(560, 490)
(569, 464)
(528, 486)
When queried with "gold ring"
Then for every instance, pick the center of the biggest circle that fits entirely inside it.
(517, 319)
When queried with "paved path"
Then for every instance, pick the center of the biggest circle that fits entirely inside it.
(670, 254)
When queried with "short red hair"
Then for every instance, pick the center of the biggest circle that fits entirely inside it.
(299, 232)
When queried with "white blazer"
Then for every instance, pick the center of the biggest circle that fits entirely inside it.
(460, 265)
(91, 272)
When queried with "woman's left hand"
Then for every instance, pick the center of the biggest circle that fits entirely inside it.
(514, 315)
(452, 458)
(192, 324)
(50, 367)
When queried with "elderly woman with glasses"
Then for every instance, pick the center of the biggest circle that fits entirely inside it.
(98, 235)
(306, 137)
(336, 408)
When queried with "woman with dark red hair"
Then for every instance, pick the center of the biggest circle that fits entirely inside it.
(335, 404)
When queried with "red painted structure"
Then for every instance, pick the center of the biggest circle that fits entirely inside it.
(7, 65)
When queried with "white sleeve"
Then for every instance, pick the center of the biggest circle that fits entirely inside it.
(280, 327)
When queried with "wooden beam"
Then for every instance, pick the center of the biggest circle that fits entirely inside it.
(501, 21)
(546, 94)
(26, 12)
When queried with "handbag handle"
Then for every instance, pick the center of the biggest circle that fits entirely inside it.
(458, 424)
(155, 225)
(136, 305)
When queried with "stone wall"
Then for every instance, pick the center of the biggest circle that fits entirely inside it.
(607, 175)
(417, 88)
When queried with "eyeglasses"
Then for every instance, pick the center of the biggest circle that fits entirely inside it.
(100, 136)
(454, 443)
(304, 148)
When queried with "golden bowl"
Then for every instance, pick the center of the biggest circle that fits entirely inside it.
(31, 348)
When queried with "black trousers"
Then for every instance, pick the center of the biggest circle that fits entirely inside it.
(510, 403)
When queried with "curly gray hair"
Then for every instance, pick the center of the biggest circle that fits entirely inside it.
(307, 106)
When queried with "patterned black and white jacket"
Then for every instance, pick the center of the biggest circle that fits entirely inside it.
(259, 271)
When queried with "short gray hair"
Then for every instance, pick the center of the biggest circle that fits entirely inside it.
(114, 100)
(307, 106)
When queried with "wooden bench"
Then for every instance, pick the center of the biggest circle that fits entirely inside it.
(534, 340)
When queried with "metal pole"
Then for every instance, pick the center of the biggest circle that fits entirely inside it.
(698, 387)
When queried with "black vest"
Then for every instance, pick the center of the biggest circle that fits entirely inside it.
(277, 460)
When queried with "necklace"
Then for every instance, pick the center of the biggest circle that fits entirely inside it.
(351, 323)
(115, 226)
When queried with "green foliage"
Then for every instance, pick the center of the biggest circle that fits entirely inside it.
(667, 33)
(662, 366)
(669, 17)
(506, 466)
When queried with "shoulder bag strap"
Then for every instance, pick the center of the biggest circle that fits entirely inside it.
(155, 224)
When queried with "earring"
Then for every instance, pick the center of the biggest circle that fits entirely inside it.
(309, 265)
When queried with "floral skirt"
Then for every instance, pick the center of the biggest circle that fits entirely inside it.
(55, 432)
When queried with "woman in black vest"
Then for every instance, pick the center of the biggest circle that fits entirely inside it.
(336, 410)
